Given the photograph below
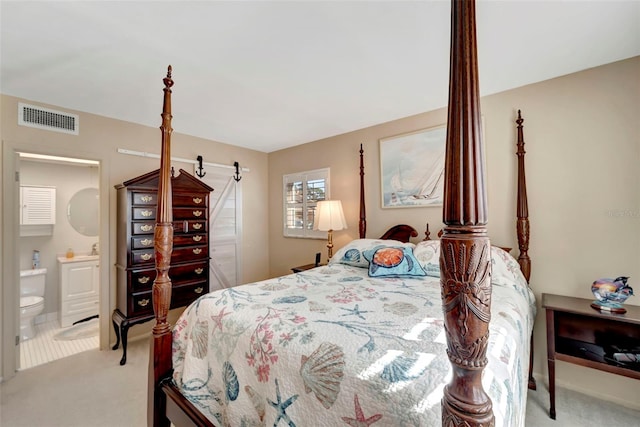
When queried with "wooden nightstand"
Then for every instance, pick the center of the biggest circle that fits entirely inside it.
(579, 334)
(300, 268)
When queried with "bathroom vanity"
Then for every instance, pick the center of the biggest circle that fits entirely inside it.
(79, 288)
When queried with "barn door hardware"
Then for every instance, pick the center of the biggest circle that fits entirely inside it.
(200, 171)
(236, 175)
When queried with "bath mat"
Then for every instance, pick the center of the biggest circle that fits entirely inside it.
(87, 329)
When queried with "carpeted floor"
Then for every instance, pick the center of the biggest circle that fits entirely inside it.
(88, 389)
(576, 410)
(91, 389)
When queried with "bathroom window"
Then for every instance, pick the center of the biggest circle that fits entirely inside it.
(301, 193)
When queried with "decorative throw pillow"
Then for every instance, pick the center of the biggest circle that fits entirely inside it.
(351, 253)
(393, 261)
(427, 253)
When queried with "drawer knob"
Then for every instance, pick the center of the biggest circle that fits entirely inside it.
(146, 257)
(147, 198)
(197, 251)
(197, 226)
(199, 270)
(198, 290)
(146, 227)
(197, 213)
(197, 200)
(146, 213)
(144, 279)
(146, 242)
(197, 238)
(143, 302)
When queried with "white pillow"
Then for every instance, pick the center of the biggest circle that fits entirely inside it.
(505, 270)
(427, 253)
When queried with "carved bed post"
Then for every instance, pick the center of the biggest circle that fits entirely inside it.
(522, 228)
(163, 237)
(362, 225)
(465, 259)
(522, 225)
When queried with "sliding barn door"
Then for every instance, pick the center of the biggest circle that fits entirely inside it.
(225, 228)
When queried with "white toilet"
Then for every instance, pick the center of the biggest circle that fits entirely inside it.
(31, 300)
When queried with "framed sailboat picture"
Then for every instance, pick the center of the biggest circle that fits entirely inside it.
(412, 168)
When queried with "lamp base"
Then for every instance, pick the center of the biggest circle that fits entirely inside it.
(329, 244)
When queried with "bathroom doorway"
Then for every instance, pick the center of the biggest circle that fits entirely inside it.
(67, 249)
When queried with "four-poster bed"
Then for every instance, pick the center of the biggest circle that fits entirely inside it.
(356, 380)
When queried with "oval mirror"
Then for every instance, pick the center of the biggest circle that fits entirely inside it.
(83, 211)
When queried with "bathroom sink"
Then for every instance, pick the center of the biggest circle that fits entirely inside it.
(79, 258)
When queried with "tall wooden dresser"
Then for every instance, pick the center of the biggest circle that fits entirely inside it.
(135, 261)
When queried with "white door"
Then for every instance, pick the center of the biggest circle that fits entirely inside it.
(225, 227)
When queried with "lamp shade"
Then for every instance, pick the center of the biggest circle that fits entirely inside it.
(329, 216)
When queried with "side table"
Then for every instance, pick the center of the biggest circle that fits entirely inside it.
(579, 334)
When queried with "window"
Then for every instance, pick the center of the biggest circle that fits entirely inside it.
(301, 192)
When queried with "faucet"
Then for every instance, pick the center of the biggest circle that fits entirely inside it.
(94, 249)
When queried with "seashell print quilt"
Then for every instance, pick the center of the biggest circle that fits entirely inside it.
(332, 346)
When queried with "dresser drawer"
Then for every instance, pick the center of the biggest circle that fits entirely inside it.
(189, 239)
(143, 213)
(178, 255)
(142, 279)
(142, 242)
(189, 200)
(184, 273)
(189, 253)
(180, 226)
(180, 296)
(142, 256)
(144, 198)
(144, 227)
(141, 304)
(190, 213)
(185, 295)
(195, 227)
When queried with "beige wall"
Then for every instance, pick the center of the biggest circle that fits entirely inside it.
(582, 138)
(99, 139)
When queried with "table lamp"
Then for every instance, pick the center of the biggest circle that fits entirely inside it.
(329, 217)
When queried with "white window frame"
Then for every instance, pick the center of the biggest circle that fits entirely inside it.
(306, 231)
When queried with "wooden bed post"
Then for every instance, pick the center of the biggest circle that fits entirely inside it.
(522, 228)
(160, 356)
(362, 224)
(522, 225)
(465, 258)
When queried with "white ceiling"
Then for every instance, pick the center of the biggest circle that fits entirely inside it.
(268, 75)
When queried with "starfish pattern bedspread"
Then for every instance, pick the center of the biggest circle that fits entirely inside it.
(332, 346)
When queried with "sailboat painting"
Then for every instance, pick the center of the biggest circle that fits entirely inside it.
(412, 168)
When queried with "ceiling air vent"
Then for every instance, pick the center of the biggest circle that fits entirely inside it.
(44, 118)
